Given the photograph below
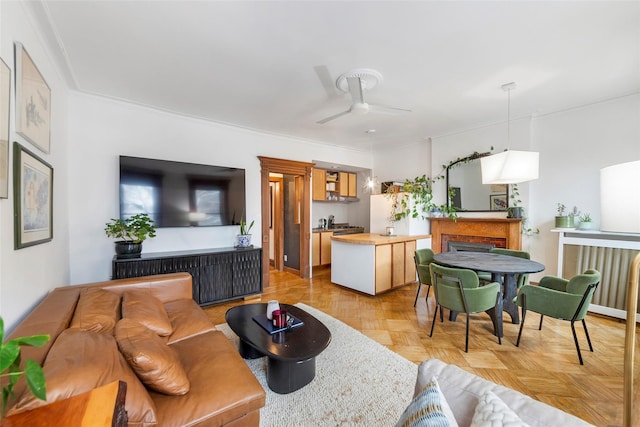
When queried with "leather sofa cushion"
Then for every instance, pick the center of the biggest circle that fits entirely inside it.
(222, 386)
(155, 363)
(80, 361)
(187, 319)
(144, 308)
(97, 311)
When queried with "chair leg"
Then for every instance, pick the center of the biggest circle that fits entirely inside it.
(428, 289)
(524, 315)
(575, 339)
(586, 332)
(417, 293)
(433, 323)
(497, 304)
(466, 338)
(541, 317)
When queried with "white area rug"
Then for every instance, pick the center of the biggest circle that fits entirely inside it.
(358, 383)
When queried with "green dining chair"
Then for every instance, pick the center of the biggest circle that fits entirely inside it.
(521, 279)
(561, 299)
(422, 259)
(458, 290)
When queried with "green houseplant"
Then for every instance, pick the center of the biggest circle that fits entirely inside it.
(10, 357)
(585, 222)
(243, 240)
(132, 232)
(562, 219)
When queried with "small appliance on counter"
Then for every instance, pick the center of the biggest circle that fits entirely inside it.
(322, 223)
(330, 222)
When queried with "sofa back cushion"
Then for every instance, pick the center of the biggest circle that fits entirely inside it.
(97, 311)
(142, 307)
(155, 363)
(80, 361)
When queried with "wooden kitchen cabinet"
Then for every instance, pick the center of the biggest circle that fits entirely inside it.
(321, 248)
(348, 184)
(315, 249)
(319, 190)
(395, 265)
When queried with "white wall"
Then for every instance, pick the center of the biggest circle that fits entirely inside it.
(102, 129)
(26, 275)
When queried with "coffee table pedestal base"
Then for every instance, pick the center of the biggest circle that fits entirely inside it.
(287, 377)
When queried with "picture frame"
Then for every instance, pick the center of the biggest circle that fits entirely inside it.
(32, 198)
(33, 101)
(498, 202)
(5, 100)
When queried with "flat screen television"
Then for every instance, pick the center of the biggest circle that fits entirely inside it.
(177, 194)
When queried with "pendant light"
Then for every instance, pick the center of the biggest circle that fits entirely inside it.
(510, 166)
(371, 183)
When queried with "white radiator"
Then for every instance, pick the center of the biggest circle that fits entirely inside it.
(611, 257)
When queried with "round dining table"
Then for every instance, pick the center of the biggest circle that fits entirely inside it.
(504, 269)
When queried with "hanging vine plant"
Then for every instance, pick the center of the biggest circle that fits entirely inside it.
(414, 198)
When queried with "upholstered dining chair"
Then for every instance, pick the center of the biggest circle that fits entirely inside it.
(561, 299)
(459, 290)
(422, 258)
(522, 279)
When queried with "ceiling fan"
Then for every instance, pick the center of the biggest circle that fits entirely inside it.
(356, 82)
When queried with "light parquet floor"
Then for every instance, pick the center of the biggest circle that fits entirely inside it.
(545, 366)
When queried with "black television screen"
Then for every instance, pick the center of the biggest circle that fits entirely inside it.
(177, 194)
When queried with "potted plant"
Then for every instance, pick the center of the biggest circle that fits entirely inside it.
(243, 240)
(562, 218)
(514, 210)
(132, 232)
(585, 222)
(10, 366)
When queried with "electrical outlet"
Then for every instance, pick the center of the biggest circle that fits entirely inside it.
(285, 258)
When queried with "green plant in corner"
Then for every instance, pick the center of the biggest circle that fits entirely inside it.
(135, 229)
(10, 357)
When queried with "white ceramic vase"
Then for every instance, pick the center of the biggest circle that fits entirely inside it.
(271, 306)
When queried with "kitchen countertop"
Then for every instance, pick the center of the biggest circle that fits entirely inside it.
(352, 229)
(376, 239)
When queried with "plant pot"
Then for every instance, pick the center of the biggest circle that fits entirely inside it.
(243, 240)
(586, 226)
(514, 212)
(128, 249)
(564, 222)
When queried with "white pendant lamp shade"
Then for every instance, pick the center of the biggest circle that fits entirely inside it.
(510, 167)
(620, 198)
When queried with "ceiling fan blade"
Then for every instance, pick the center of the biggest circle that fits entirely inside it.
(355, 87)
(335, 116)
(385, 109)
(327, 82)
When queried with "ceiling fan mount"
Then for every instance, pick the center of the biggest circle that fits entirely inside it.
(368, 79)
(356, 82)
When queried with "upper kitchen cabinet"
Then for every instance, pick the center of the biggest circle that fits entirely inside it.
(348, 184)
(333, 186)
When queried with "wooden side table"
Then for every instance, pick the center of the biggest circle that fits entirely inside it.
(100, 407)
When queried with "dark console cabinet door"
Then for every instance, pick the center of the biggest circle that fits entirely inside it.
(218, 274)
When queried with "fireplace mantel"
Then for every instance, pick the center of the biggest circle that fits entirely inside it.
(503, 232)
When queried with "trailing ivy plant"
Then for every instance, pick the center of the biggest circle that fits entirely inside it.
(416, 198)
(10, 366)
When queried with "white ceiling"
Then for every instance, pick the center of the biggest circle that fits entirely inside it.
(272, 65)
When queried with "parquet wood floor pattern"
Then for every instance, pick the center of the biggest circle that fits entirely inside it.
(545, 366)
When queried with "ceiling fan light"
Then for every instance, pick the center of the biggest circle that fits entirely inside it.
(510, 167)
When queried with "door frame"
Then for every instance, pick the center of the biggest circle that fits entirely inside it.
(276, 200)
(290, 167)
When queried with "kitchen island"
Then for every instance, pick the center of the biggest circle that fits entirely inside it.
(373, 263)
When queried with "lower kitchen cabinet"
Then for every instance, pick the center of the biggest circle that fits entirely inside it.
(219, 274)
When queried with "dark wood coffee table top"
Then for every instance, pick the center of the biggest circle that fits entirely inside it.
(300, 343)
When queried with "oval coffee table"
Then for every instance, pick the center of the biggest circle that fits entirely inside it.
(291, 354)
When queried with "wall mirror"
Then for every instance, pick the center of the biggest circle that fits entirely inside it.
(468, 193)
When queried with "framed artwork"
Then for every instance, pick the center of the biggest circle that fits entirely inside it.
(5, 90)
(33, 102)
(32, 198)
(498, 202)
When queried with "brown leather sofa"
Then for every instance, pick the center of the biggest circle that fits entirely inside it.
(213, 385)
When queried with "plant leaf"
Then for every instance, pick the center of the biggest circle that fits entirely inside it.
(32, 341)
(9, 352)
(35, 379)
